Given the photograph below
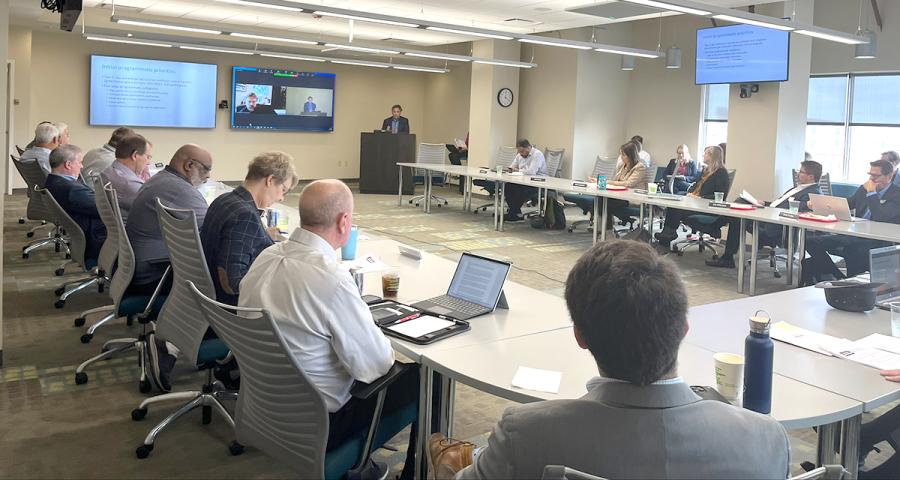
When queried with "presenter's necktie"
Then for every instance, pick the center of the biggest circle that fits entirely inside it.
(394, 126)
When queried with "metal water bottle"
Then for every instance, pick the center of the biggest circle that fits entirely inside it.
(758, 358)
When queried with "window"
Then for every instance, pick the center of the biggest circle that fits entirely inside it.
(715, 116)
(851, 120)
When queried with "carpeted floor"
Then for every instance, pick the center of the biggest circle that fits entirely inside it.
(54, 428)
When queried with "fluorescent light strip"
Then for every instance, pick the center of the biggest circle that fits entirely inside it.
(848, 40)
(361, 49)
(669, 6)
(554, 44)
(628, 53)
(275, 39)
(250, 3)
(140, 23)
(122, 40)
(420, 69)
(758, 23)
(366, 19)
(361, 64)
(292, 57)
(467, 32)
(504, 64)
(209, 49)
(437, 57)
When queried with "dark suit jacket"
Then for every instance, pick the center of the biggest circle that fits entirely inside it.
(884, 209)
(802, 196)
(693, 173)
(718, 182)
(402, 128)
(78, 201)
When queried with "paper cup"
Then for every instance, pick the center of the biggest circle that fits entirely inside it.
(720, 197)
(651, 188)
(729, 375)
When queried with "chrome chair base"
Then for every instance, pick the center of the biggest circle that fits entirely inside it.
(436, 199)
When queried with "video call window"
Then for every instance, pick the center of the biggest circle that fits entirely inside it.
(283, 100)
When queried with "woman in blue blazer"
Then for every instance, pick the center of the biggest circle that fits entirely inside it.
(685, 167)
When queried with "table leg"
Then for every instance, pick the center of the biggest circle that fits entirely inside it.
(754, 246)
(496, 205)
(501, 187)
(596, 215)
(641, 215)
(427, 198)
(448, 392)
(424, 421)
(650, 218)
(850, 444)
(400, 188)
(790, 255)
(826, 451)
(742, 243)
(801, 253)
(603, 219)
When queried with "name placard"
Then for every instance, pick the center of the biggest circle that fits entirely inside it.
(719, 205)
(790, 215)
(538, 179)
(579, 184)
(483, 171)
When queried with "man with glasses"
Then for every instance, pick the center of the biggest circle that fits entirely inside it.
(877, 200)
(770, 233)
(133, 154)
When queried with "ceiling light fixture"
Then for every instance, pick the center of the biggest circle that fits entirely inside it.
(275, 39)
(627, 63)
(469, 32)
(503, 63)
(670, 6)
(628, 53)
(866, 50)
(673, 57)
(219, 50)
(366, 19)
(251, 3)
(420, 69)
(437, 56)
(292, 57)
(354, 48)
(361, 64)
(166, 26)
(555, 43)
(124, 40)
(758, 23)
(834, 37)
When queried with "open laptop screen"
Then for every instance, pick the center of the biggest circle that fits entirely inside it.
(885, 268)
(478, 280)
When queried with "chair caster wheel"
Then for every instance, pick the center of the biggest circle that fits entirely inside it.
(777, 275)
(56, 247)
(29, 234)
(143, 387)
(143, 451)
(410, 202)
(138, 414)
(87, 337)
(100, 288)
(21, 221)
(59, 272)
(24, 255)
(79, 322)
(235, 448)
(59, 303)
(68, 256)
(81, 378)
(475, 212)
(680, 254)
(59, 291)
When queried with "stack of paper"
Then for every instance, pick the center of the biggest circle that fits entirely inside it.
(750, 198)
(876, 350)
(366, 264)
(803, 338)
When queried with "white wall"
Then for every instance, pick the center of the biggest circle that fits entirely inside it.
(831, 57)
(4, 45)
(447, 100)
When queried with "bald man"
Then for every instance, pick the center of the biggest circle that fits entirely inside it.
(326, 324)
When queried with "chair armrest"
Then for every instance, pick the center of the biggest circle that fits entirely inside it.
(367, 390)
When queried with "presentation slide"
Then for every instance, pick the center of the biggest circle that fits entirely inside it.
(742, 54)
(274, 99)
(152, 93)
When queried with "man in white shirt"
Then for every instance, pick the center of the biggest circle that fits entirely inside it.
(642, 154)
(326, 324)
(99, 159)
(528, 161)
(46, 139)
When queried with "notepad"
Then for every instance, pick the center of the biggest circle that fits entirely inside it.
(537, 379)
(421, 326)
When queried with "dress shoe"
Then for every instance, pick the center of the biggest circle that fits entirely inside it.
(511, 217)
(448, 456)
(721, 262)
(666, 237)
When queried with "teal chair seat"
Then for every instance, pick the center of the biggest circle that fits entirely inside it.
(211, 349)
(135, 304)
(344, 457)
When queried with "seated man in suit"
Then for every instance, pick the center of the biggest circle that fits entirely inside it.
(770, 233)
(529, 161)
(395, 123)
(639, 419)
(74, 197)
(46, 138)
(878, 200)
(233, 234)
(133, 155)
(99, 159)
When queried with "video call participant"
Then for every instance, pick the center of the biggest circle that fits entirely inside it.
(252, 105)
(395, 123)
(309, 106)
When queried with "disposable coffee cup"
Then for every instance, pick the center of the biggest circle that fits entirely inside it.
(729, 375)
(794, 206)
(390, 285)
(720, 197)
(348, 251)
(651, 188)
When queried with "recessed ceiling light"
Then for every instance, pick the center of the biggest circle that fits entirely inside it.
(276, 39)
(467, 32)
(141, 23)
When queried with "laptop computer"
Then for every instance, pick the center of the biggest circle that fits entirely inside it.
(476, 289)
(827, 205)
(884, 265)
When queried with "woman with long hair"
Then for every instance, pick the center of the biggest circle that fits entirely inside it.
(630, 173)
(685, 170)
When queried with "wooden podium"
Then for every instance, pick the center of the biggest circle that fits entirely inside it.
(379, 154)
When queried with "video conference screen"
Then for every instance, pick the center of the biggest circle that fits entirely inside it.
(152, 93)
(272, 99)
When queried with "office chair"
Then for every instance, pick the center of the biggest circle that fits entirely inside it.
(554, 159)
(131, 306)
(279, 411)
(77, 243)
(20, 150)
(430, 154)
(845, 190)
(559, 472)
(181, 323)
(109, 252)
(35, 177)
(707, 228)
(631, 213)
(505, 156)
(825, 472)
(602, 167)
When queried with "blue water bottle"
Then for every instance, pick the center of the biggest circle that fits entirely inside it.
(758, 357)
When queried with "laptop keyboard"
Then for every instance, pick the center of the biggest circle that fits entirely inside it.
(458, 304)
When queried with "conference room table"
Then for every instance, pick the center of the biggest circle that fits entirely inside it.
(862, 229)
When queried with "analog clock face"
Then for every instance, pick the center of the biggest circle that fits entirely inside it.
(505, 97)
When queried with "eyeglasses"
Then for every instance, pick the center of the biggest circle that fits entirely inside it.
(875, 174)
(206, 169)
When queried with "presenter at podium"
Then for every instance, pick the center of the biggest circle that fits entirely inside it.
(309, 106)
(395, 123)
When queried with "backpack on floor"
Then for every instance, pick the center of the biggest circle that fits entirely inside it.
(554, 217)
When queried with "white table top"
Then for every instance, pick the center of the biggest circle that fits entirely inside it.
(491, 367)
(722, 327)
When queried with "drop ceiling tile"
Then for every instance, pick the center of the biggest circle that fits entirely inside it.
(167, 8)
(211, 14)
